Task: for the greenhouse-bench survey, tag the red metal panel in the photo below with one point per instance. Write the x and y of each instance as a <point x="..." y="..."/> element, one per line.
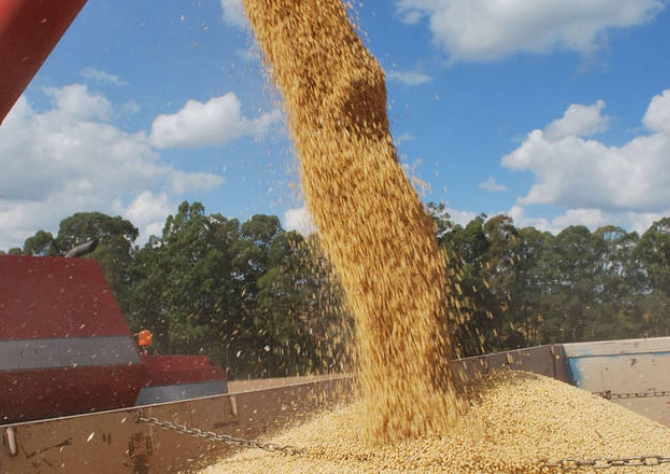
<point x="176" y="377"/>
<point x="29" y="30"/>
<point x="47" y="297"/>
<point x="70" y="348"/>
<point x="36" y="394"/>
<point x="173" y="362"/>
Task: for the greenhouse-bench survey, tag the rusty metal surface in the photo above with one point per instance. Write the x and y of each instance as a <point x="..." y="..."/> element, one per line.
<point x="545" y="360"/>
<point x="115" y="442"/>
<point x="235" y="386"/>
<point x="635" y="373"/>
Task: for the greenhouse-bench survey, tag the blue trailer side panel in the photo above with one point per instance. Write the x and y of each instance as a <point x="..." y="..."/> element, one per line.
<point x="634" y="373"/>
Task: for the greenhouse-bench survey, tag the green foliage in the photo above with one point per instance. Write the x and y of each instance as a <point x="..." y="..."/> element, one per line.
<point x="262" y="301"/>
<point x="42" y="244"/>
<point x="114" y="251"/>
<point x="522" y="287"/>
<point x="241" y="294"/>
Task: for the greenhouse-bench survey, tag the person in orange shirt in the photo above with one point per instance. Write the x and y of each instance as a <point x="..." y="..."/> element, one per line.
<point x="145" y="339"/>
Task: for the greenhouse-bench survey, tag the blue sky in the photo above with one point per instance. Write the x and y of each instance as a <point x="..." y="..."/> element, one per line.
<point x="554" y="112"/>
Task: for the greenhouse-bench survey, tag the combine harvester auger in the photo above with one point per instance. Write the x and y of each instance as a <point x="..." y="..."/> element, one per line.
<point x="78" y="395"/>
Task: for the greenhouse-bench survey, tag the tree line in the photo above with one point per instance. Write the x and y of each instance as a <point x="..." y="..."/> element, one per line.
<point x="262" y="301"/>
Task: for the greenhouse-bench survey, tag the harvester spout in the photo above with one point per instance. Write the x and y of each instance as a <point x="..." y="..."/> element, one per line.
<point x="29" y="30"/>
<point x="82" y="249"/>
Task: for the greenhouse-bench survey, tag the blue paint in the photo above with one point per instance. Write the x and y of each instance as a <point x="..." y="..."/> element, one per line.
<point x="576" y="374"/>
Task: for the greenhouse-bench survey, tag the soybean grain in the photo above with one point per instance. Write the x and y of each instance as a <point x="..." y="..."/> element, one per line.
<point x="371" y="222"/>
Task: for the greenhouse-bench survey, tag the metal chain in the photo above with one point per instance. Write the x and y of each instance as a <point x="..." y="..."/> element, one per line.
<point x="573" y="464"/>
<point x="222" y="438"/>
<point x="565" y="464"/>
<point x="607" y="394"/>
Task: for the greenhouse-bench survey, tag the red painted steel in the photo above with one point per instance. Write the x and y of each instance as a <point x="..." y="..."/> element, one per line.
<point x="37" y="394"/>
<point x="67" y="348"/>
<point x="29" y="30"/>
<point x="47" y="300"/>
<point x="47" y="297"/>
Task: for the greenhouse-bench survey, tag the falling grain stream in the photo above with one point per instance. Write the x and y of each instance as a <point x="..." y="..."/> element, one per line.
<point x="371" y="222"/>
<point x="381" y="243"/>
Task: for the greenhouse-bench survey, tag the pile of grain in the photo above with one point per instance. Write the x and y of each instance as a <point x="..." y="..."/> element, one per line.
<point x="371" y="222"/>
<point x="518" y="423"/>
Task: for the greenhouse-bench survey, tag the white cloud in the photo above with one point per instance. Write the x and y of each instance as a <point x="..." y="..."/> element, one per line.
<point x="518" y="215"/>
<point x="216" y="122"/>
<point x="491" y="185"/>
<point x="300" y="220"/>
<point x="130" y="108"/>
<point x="233" y="13"/>
<point x="642" y="221"/>
<point x="68" y="159"/>
<point x="76" y="102"/>
<point x="490" y="29"/>
<point x="579" y="120"/>
<point x="410" y="13"/>
<point x="182" y="182"/>
<point x="148" y="212"/>
<point x="595" y="182"/>
<point x="100" y="76"/>
<point x="657" y="117"/>
<point x="461" y="218"/>
<point x="410" y="78"/>
<point x="591" y="218"/>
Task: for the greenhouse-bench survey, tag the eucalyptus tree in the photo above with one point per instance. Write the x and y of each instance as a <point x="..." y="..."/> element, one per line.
<point x="184" y="283"/>
<point x="42" y="244"/>
<point x="653" y="252"/>
<point x="621" y="286"/>
<point x="572" y="274"/>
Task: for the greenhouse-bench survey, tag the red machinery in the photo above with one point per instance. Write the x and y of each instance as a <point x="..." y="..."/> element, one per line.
<point x="29" y="30"/>
<point x="66" y="349"/>
<point x="64" y="345"/>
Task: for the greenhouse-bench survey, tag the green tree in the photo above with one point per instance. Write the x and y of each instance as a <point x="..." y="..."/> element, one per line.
<point x="114" y="252"/>
<point x="472" y="305"/>
<point x="443" y="223"/>
<point x="279" y="315"/>
<point x="184" y="286"/>
<point x="529" y="288"/>
<point x="653" y="252"/>
<point x="501" y="274"/>
<point x="572" y="268"/>
<point x="621" y="286"/>
<point x="42" y="244"/>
